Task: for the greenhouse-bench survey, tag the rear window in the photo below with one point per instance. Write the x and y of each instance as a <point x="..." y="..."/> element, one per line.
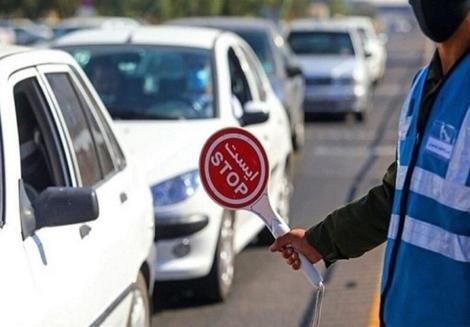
<point x="321" y="43"/>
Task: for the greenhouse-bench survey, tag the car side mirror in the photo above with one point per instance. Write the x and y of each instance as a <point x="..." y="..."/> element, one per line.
<point x="59" y="206"/>
<point x="293" y="70"/>
<point x="254" y="113"/>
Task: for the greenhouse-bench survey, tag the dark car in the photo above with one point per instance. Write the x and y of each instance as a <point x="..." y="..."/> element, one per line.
<point x="277" y="59"/>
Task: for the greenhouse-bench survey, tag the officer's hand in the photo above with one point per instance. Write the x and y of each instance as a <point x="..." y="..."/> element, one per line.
<point x="293" y="243"/>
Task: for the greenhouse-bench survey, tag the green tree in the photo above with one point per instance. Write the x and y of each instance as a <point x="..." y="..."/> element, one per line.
<point x="38" y="8"/>
<point x="337" y="7"/>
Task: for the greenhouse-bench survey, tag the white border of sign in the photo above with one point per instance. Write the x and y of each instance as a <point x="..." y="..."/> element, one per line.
<point x="257" y="192"/>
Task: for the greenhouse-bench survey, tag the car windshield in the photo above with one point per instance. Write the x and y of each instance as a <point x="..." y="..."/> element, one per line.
<point x="321" y="43"/>
<point x="259" y="41"/>
<point x="150" y="82"/>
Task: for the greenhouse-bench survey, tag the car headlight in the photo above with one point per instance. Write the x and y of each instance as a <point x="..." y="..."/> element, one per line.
<point x="177" y="189"/>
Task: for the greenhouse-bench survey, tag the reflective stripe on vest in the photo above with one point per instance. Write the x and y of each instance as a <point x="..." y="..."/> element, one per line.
<point x="428" y="184"/>
<point x="432" y="238"/>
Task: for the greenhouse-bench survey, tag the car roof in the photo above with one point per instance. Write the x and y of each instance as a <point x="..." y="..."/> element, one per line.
<point x="14" y="58"/>
<point x="306" y="24"/>
<point x="356" y="21"/>
<point x="162" y="35"/>
<point x="223" y="22"/>
<point x="95" y="21"/>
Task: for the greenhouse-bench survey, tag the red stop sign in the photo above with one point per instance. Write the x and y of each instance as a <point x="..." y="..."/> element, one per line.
<point x="234" y="168"/>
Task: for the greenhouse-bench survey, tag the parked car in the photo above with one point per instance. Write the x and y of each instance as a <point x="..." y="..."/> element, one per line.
<point x="334" y="63"/>
<point x="76" y="222"/>
<point x="276" y="57"/>
<point x="31" y="34"/>
<point x="27" y="32"/>
<point x="373" y="43"/>
<point x="168" y="89"/>
<point x="74" y="24"/>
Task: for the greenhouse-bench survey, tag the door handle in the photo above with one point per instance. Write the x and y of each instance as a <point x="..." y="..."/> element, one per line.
<point x="84" y="231"/>
<point x="123" y="197"/>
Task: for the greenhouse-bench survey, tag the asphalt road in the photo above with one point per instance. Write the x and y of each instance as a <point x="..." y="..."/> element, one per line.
<point x="340" y="161"/>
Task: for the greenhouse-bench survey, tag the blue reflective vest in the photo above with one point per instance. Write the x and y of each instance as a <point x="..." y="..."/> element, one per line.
<point x="426" y="278"/>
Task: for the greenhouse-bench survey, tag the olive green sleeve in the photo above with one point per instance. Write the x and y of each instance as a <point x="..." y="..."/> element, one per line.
<point x="357" y="227"/>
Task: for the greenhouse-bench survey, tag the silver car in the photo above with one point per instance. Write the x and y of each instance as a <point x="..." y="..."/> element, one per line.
<point x="335" y="68"/>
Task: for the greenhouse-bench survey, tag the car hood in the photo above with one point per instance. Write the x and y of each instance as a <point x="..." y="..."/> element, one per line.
<point x="165" y="149"/>
<point x="333" y="66"/>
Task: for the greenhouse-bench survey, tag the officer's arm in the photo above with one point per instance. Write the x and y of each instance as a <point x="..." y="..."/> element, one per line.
<point x="357" y="227"/>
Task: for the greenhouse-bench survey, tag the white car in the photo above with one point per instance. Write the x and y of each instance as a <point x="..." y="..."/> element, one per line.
<point x="78" y="23"/>
<point x="168" y="89"/>
<point x="76" y="221"/>
<point x="335" y="67"/>
<point x="373" y="43"/>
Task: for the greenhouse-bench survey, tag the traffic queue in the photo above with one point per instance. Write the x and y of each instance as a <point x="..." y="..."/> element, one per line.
<point x="102" y="199"/>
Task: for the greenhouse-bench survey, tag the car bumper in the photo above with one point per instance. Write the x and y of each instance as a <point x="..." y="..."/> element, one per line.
<point x="335" y="99"/>
<point x="185" y="239"/>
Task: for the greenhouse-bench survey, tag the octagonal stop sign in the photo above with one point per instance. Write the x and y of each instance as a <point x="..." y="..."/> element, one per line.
<point x="234" y="168"/>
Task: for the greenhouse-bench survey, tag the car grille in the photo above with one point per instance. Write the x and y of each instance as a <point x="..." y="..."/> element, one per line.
<point x="318" y="81"/>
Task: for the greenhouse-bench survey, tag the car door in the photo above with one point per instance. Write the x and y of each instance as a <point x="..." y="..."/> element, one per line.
<point x="18" y="290"/>
<point x="57" y="256"/>
<point x="132" y="242"/>
<point x="275" y="131"/>
<point x="99" y="164"/>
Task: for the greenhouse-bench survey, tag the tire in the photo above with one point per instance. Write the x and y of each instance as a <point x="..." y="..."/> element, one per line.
<point x="360" y="116"/>
<point x="216" y="286"/>
<point x="139" y="313"/>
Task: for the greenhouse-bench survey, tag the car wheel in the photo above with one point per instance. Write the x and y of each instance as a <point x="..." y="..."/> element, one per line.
<point x="359" y="116"/>
<point x="139" y="314"/>
<point x="217" y="285"/>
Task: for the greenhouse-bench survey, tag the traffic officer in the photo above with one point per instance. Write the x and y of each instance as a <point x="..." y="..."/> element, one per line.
<point x="423" y="204"/>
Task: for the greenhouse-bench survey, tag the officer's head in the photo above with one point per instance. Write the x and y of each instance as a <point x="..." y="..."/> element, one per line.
<point x="440" y="19"/>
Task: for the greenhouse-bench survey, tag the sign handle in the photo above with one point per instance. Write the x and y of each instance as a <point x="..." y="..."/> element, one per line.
<point x="278" y="227"/>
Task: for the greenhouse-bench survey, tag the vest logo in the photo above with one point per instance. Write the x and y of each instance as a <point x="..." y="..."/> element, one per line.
<point x="441" y="140"/>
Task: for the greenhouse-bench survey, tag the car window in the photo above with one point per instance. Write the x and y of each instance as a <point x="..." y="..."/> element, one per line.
<point x="256" y="73"/>
<point x="42" y="160"/>
<point x="259" y="42"/>
<point x="119" y="158"/>
<point x="104" y="152"/>
<point x="321" y="43"/>
<point x="238" y="81"/>
<point x="150" y="82"/>
<point x="78" y="127"/>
